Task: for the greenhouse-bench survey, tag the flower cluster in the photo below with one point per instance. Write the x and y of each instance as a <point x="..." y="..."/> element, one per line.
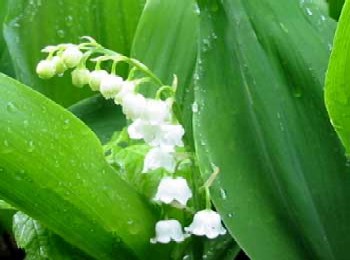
<point x="152" y="120"/>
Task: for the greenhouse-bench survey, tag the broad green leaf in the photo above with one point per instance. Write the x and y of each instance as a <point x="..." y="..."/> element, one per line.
<point x="52" y="168"/>
<point x="283" y="187"/>
<point x="32" y="25"/>
<point x="335" y="8"/>
<point x="337" y="94"/>
<point x="169" y="46"/>
<point x="5" y="60"/>
<point x="103" y="116"/>
<point x="39" y="243"/>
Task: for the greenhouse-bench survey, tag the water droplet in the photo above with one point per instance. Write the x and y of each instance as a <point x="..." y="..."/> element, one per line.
<point x="31" y="146"/>
<point x="308" y="11"/>
<point x="69" y="20"/>
<point x="223" y="194"/>
<point x="194" y="107"/>
<point x="66" y="123"/>
<point x="11" y="107"/>
<point x="230" y="215"/>
<point x="61" y="33"/>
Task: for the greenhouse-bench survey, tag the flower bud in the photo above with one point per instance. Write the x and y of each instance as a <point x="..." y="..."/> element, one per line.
<point x="72" y="56"/>
<point x="80" y="77"/>
<point x="128" y="87"/>
<point x="46" y="69"/>
<point x="60" y="66"/>
<point x="110" y="86"/>
<point x="134" y="105"/>
<point x="96" y="77"/>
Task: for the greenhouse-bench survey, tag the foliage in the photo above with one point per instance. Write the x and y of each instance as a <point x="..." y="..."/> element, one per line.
<point x="249" y="94"/>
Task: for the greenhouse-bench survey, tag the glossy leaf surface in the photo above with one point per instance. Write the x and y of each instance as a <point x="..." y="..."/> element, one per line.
<point x="32" y="25"/>
<point x="283" y="183"/>
<point x="61" y="178"/>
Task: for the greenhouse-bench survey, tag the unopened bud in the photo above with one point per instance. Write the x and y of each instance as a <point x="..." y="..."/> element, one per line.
<point x="80" y="77"/>
<point x="96" y="77"/>
<point x="46" y="69"/>
<point x="72" y="56"/>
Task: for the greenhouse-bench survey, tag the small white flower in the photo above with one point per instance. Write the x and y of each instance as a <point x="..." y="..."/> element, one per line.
<point x="140" y="129"/>
<point x="72" y="56"/>
<point x="206" y="223"/>
<point x="157" y="111"/>
<point x="157" y="135"/>
<point x="46" y="69"/>
<point x="80" y="77"/>
<point x="128" y="87"/>
<point x="110" y="86"/>
<point x="168" y="230"/>
<point x="173" y="190"/>
<point x="159" y="157"/>
<point x="169" y="135"/>
<point x="96" y="77"/>
<point x="134" y="105"/>
<point x="60" y="66"/>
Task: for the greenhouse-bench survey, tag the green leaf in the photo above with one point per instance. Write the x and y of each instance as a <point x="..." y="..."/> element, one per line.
<point x="40" y="243"/>
<point x="5" y="205"/>
<point x="335" y="8"/>
<point x="337" y="94"/>
<point x="32" y="25"/>
<point x="283" y="187"/>
<point x="173" y="49"/>
<point x="52" y="168"/>
<point x="103" y="116"/>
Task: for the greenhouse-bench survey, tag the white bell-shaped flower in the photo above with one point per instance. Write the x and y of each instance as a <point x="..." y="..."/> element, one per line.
<point x="173" y="190"/>
<point x="157" y="111"/>
<point x="134" y="105"/>
<point x="206" y="223"/>
<point x="168" y="135"/>
<point x="110" y="86"/>
<point x="46" y="69"/>
<point x="140" y="129"/>
<point x="127" y="88"/>
<point x="157" y="135"/>
<point x="168" y="230"/>
<point x="72" y="56"/>
<point x="159" y="157"/>
<point x="96" y="77"/>
<point x="80" y="77"/>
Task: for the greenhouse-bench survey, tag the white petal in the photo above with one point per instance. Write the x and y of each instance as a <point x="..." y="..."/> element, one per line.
<point x="157" y="111"/>
<point x="96" y="77"/>
<point x="159" y="158"/>
<point x="170" y="190"/>
<point x="134" y="105"/>
<point x="206" y="222"/>
<point x="110" y="86"/>
<point x="168" y="230"/>
<point x="128" y="87"/>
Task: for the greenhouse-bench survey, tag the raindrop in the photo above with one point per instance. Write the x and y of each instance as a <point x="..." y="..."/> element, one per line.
<point x="66" y="123"/>
<point x="194" y="107"/>
<point x="223" y="194"/>
<point x="230" y="215"/>
<point x="25" y="123"/>
<point x="69" y="20"/>
<point x="11" y="107"/>
<point x="309" y="12"/>
<point x="197" y="11"/>
<point x="60" y="33"/>
<point x="31" y="146"/>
